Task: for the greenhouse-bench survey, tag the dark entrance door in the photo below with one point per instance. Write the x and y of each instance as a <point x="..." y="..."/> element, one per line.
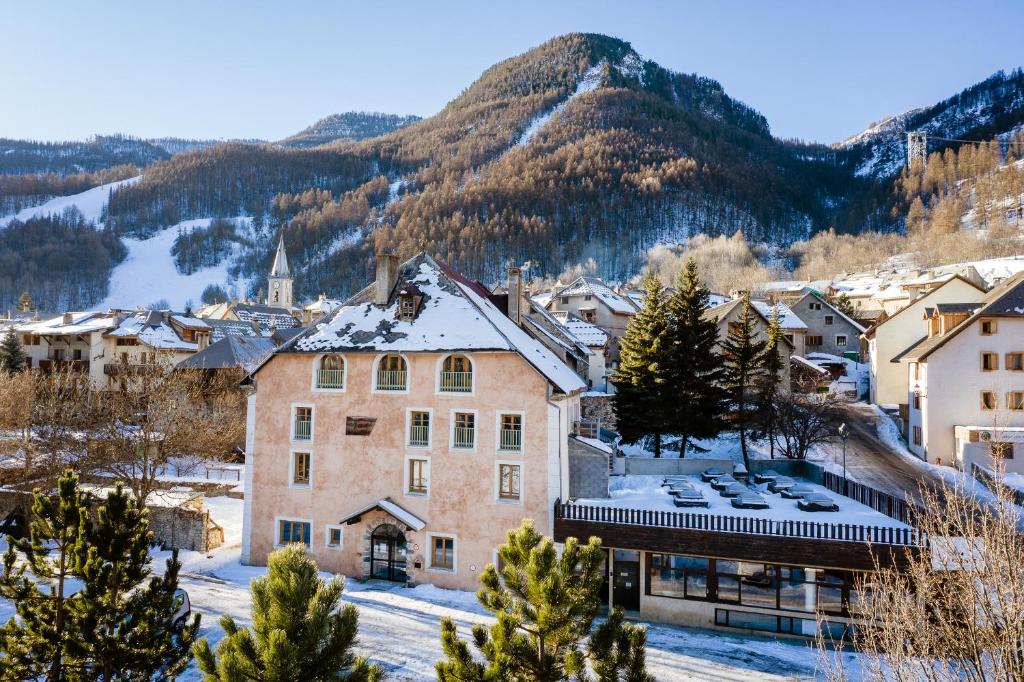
<point x="626" y="580"/>
<point x="387" y="554"/>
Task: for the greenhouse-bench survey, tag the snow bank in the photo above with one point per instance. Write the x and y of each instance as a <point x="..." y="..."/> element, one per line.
<point x="90" y="203"/>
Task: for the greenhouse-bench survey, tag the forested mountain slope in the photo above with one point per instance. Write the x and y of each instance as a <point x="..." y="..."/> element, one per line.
<point x="352" y="125"/>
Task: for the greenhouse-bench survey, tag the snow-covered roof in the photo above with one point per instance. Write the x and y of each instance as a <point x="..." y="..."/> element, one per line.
<point x="788" y="320"/>
<point x="220" y="329"/>
<point x="455" y="314"/>
<point x="810" y="365"/>
<point x="80" y="323"/>
<point x="387" y="505"/>
<point x="323" y="305"/>
<point x="589" y="334"/>
<point x="266" y="316"/>
<point x="149" y="327"/>
<point x="593" y="286"/>
<point x="190" y="321"/>
<point x="246" y="352"/>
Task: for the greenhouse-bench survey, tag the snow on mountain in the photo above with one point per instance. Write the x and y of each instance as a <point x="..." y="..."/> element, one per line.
<point x="90" y="203"/>
<point x="588" y="82"/>
<point x="148" y="274"/>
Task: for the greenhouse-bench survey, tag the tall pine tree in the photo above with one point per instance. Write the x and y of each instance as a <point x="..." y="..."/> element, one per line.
<point x="771" y="381"/>
<point x="642" y="402"/>
<point x="545" y="604"/>
<point x="298" y="633"/>
<point x="743" y="355"/>
<point x="12" y="355"/>
<point x="694" y="365"/>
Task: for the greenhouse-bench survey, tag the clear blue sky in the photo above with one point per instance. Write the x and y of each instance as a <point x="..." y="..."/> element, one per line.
<point x="818" y="70"/>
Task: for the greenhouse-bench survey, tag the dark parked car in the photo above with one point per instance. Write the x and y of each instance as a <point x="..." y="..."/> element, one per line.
<point x="722" y="482"/>
<point x="766" y="476"/>
<point x="749" y="500"/>
<point x="797" y="491"/>
<point x="781" y="483"/>
<point x="183" y="608"/>
<point x="816" y="502"/>
<point x="688" y="498"/>
<point x="733" y="489"/>
<point x="712" y="473"/>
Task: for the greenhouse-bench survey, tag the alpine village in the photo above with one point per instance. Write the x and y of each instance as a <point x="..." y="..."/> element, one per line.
<point x="588" y="376"/>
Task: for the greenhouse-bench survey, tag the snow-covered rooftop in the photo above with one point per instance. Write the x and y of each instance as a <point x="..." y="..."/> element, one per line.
<point x="150" y="328"/>
<point x="788" y="320"/>
<point x="593" y="286"/>
<point x="588" y="333"/>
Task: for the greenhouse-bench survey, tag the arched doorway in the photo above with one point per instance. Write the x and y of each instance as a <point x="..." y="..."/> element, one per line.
<point x="387" y="553"/>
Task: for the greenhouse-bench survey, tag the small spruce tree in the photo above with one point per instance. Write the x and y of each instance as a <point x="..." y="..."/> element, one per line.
<point x="694" y="365"/>
<point x="743" y="354"/>
<point x="298" y="633"/>
<point x="642" y="402"/>
<point x="12" y="355"/>
<point x="545" y="606"/>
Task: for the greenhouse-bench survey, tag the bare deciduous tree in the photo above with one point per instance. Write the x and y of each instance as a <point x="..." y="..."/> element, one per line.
<point x="803" y="421"/>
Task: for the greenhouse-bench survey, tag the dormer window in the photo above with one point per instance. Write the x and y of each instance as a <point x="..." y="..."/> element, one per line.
<point x="409" y="297"/>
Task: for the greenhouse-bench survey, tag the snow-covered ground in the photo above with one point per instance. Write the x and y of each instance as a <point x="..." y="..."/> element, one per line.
<point x="148" y="274"/>
<point x="89" y="202"/>
<point x="587" y="83"/>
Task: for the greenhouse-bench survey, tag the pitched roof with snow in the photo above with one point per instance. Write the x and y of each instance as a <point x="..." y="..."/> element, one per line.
<point x="788" y="320"/>
<point x="588" y="333"/>
<point x="594" y="286"/>
<point x="266" y="315"/>
<point x="149" y="327"/>
<point x="220" y="329"/>
<point x="246" y="352"/>
<point x="455" y="314"/>
<point x="80" y="323"/>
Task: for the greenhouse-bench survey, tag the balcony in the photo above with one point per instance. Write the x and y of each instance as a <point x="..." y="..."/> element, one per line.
<point x="464" y="437"/>
<point x="456" y="382"/>
<point x="49" y="365"/>
<point x="330" y="378"/>
<point x="511" y="440"/>
<point x="419" y="436"/>
<point x="303" y="429"/>
<point x="391" y="379"/>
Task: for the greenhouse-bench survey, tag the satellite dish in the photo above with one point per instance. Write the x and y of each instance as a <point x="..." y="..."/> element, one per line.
<point x="985" y="436"/>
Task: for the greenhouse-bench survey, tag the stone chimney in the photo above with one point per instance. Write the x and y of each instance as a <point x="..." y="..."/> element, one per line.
<point x="387" y="277"/>
<point x="68" y="319"/>
<point x="515" y="294"/>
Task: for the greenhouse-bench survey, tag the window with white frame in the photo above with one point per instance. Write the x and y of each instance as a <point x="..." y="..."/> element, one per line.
<point x="510" y="432"/>
<point x="417" y="475"/>
<point x="464" y="431"/>
<point x="419" y="428"/>
<point x="442" y="552"/>
<point x="333" y="537"/>
<point x="301" y="469"/>
<point x="290" y="530"/>
<point x="456" y="375"/>
<point x="331" y="372"/>
<point x="392" y="373"/>
<point x="509" y="480"/>
<point x="302" y="423"/>
<point x="841" y="340"/>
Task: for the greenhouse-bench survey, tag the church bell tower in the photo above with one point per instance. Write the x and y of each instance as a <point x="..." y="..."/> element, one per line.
<point x="279" y="290"/>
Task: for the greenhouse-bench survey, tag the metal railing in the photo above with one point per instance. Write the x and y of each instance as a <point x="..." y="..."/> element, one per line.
<point x="330" y="378"/>
<point x="456" y="382"/>
<point x="419" y="436"/>
<point x="464" y="437"/>
<point x="303" y="429"/>
<point x="511" y="440"/>
<point x="391" y="379"/>
<point x="884" y="503"/>
<point x="845" y="532"/>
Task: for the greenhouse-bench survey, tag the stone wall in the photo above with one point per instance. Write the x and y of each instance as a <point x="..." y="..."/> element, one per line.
<point x="598" y="407"/>
<point x="588" y="470"/>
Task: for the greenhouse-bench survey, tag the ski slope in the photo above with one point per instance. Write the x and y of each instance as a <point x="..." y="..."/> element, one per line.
<point x="148" y="274"/>
<point x="90" y="203"/>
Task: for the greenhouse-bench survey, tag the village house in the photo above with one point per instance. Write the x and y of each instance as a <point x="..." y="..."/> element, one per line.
<point x="966" y="381"/>
<point x="889" y="338"/>
<point x="729" y="314"/>
<point x="590" y="299"/>
<point x="405" y="435"/>
<point x="829" y="330"/>
<point x="792" y="326"/>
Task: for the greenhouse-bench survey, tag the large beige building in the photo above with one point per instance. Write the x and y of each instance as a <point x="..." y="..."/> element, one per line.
<point x="403" y="437"/>
<point x="887" y="340"/>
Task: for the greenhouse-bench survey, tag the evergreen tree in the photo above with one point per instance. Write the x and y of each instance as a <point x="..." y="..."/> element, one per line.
<point x="841" y="303"/>
<point x="132" y="633"/>
<point x="298" y="633"/>
<point x="642" y="402"/>
<point x="12" y="355"/>
<point x="545" y="604"/>
<point x="42" y="641"/>
<point x="768" y="386"/>
<point x="743" y="354"/>
<point x="694" y="365"/>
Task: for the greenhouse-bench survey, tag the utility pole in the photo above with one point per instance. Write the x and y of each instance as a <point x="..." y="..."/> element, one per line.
<point x="844" y="433"/>
<point x="917" y="148"/>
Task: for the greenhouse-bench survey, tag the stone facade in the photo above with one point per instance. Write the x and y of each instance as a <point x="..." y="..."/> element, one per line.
<point x="598" y="407"/>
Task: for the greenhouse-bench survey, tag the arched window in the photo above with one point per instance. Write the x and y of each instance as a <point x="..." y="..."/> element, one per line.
<point x="392" y="373"/>
<point x="331" y="372"/>
<point x="456" y="375"/>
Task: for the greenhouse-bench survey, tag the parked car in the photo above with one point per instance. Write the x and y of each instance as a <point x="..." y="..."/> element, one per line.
<point x="816" y="502"/>
<point x="711" y="474"/>
<point x="798" y="491"/>
<point x="722" y="482"/>
<point x="781" y="483"/>
<point x="183" y="608"/>
<point x="749" y="500"/>
<point x="733" y="489"/>
<point x="766" y="476"/>
<point x="689" y="498"/>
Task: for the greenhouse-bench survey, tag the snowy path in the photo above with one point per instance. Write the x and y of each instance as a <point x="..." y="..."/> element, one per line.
<point x="89" y="202"/>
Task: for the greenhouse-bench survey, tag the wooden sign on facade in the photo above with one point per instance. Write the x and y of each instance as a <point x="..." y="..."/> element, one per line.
<point x="359" y="426"/>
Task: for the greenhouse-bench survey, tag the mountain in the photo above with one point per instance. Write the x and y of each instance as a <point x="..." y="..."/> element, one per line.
<point x="352" y="125"/>
<point x="992" y="107"/>
<point x="22" y="157"/>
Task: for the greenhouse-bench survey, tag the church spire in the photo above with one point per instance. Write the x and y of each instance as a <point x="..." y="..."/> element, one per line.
<point x="280" y="268"/>
<point x="279" y="291"/>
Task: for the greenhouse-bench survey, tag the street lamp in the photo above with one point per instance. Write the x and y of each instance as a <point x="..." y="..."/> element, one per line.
<point x="844" y="433"/>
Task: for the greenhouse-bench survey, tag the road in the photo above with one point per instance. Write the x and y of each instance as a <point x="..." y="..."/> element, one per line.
<point x="872" y="462"/>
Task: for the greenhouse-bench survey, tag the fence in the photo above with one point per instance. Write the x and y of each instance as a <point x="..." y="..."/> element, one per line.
<point x="884" y="503"/>
<point x="740" y="524"/>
